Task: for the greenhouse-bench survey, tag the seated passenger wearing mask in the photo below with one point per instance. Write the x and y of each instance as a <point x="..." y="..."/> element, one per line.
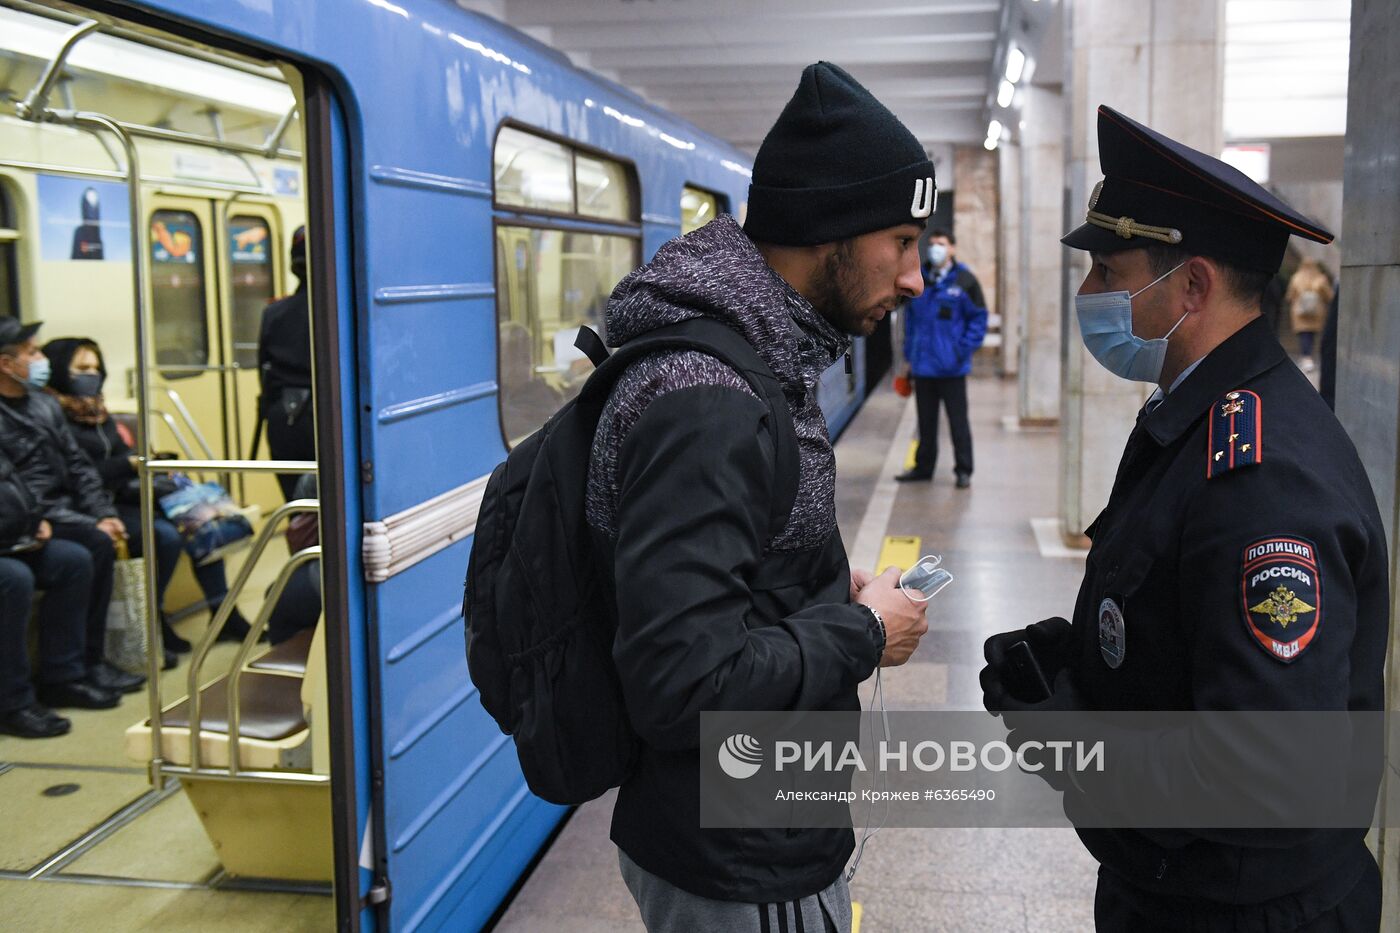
<point x="61" y="479"/>
<point x="31" y="559"/>
<point x="78" y="373"/>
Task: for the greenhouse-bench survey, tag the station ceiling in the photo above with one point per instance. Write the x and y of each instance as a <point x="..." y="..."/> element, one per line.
<point x="729" y="66"/>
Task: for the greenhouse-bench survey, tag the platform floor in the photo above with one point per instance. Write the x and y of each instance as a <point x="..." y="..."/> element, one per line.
<point x="924" y="880"/>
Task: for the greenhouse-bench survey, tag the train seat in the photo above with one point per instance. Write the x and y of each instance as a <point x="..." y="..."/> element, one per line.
<point x="288" y="658"/>
<point x="274" y="734"/>
<point x="261" y="829"/>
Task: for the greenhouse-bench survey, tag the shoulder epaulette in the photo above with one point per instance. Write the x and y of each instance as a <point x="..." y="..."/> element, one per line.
<point x="1236" y="435"/>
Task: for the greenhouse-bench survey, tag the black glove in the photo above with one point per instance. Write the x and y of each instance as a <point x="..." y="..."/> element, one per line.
<point x="1020" y="717"/>
<point x="1049" y="639"/>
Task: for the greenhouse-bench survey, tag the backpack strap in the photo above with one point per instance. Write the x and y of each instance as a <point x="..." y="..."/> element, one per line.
<point x="711" y="337"/>
<point x="591" y="345"/>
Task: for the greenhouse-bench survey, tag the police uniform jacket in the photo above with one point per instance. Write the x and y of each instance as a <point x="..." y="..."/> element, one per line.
<point x="1240" y="565"/>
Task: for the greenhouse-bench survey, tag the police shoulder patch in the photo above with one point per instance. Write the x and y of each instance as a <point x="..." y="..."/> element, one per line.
<point x="1236" y="434"/>
<point x="1281" y="593"/>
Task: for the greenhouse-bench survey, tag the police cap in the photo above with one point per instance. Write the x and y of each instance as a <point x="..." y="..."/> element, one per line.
<point x="1155" y="190"/>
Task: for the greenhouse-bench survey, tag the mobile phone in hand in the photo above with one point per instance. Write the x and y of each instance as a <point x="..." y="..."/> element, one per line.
<point x="1024" y="678"/>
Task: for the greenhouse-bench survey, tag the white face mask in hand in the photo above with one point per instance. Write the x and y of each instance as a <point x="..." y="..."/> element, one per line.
<point x="1106" y="326"/>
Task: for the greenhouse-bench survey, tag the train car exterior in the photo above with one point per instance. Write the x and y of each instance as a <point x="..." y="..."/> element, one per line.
<point x="429" y="244"/>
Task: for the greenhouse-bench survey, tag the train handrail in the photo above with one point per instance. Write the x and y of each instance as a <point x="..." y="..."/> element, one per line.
<point x="175" y="431"/>
<point x="221" y="615"/>
<point x="188" y="418"/>
<point x="35" y="107"/>
<point x="235" y="677"/>
<point x="233" y="466"/>
<point x="37" y="100"/>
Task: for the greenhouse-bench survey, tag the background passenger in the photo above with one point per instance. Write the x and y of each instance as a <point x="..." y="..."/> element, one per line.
<point x="60" y="477"/>
<point x="78" y="374"/>
<point x="284" y="372"/>
<point x="1308" y="298"/>
<point x="299" y="606"/>
<point x="30" y="558"/>
<point x="943" y="327"/>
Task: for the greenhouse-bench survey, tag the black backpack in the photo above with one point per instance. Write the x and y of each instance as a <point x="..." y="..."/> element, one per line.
<point x="539" y="606"/>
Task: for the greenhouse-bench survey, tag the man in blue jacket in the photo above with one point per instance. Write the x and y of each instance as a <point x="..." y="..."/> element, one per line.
<point x="943" y="327"/>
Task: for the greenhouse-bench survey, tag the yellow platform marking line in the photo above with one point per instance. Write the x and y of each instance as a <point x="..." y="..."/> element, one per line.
<point x="909" y="458"/>
<point x="855" y="916"/>
<point x="898" y="551"/>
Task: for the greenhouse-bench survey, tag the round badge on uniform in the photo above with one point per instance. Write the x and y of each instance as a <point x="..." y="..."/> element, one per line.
<point x="1113" y="634"/>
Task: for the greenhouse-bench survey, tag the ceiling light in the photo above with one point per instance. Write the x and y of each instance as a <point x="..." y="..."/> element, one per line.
<point x="1015" y="64"/>
<point x="989" y="144"/>
<point x="1005" y="93"/>
<point x="994" y="130"/>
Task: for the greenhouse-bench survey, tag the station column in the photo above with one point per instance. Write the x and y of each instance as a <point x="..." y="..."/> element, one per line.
<point x="1368" y="338"/>
<point x="1042" y="323"/>
<point x="1160" y="62"/>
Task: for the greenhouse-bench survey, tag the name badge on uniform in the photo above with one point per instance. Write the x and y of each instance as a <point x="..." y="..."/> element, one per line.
<point x="1113" y="634"/>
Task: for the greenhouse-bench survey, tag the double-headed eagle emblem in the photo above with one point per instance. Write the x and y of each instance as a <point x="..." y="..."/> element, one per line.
<point x="1282" y="606"/>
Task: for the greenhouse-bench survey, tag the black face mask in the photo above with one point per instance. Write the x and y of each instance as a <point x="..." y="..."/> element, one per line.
<point x="87" y="384"/>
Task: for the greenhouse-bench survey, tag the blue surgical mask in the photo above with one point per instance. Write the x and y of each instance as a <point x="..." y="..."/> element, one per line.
<point x="937" y="254"/>
<point x="1106" y="326"/>
<point x="38" y="373"/>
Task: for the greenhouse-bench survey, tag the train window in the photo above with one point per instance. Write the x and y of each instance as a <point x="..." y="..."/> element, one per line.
<point x="533" y="172"/>
<point x="550" y="282"/>
<point x="9" y="284"/>
<point x="697" y="208"/>
<point x="177" y="292"/>
<point x="604" y="188"/>
<point x="250" y="266"/>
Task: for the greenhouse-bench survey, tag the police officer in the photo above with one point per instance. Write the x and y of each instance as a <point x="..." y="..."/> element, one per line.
<point x="1238" y="503"/>
<point x="284" y="368"/>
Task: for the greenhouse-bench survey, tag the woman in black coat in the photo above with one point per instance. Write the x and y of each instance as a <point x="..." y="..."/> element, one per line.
<point x="78" y="373"/>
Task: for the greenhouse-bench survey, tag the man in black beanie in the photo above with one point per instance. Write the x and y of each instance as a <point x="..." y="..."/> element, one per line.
<point x="689" y="500"/>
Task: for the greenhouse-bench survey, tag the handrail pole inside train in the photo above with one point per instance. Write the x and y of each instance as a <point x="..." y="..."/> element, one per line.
<point x="36" y="101"/>
<point x="188" y="418"/>
<point x="139" y="274"/>
<point x="235" y="676"/>
<point x="174" y="428"/>
<point x="274" y="141"/>
<point x="238" y="466"/>
<point x="225" y="609"/>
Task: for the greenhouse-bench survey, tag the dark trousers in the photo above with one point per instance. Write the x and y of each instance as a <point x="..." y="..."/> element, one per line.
<point x="295" y="441"/>
<point x="1359" y="911"/>
<point x="63" y="571"/>
<point x="169" y="546"/>
<point x="952" y="394"/>
<point x="300" y="605"/>
<point x="104" y="557"/>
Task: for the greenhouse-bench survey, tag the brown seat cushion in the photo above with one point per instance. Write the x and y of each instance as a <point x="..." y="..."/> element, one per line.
<point x="289" y="657"/>
<point x="270" y="705"/>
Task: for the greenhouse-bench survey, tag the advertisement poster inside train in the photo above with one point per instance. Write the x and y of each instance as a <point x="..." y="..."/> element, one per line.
<point x="174" y="238"/>
<point x="248" y="240"/>
<point x="83" y="219"/>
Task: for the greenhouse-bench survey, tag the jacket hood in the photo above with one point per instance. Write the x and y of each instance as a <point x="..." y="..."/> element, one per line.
<point x="717" y="272"/>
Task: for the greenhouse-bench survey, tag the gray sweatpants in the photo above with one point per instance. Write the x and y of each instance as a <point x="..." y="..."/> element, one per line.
<point x="668" y="909"/>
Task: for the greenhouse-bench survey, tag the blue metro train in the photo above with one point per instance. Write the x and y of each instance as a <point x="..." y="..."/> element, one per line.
<point x="471" y="199"/>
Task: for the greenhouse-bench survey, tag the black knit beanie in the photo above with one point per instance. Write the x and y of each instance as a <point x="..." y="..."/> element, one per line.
<point x="836" y="164"/>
